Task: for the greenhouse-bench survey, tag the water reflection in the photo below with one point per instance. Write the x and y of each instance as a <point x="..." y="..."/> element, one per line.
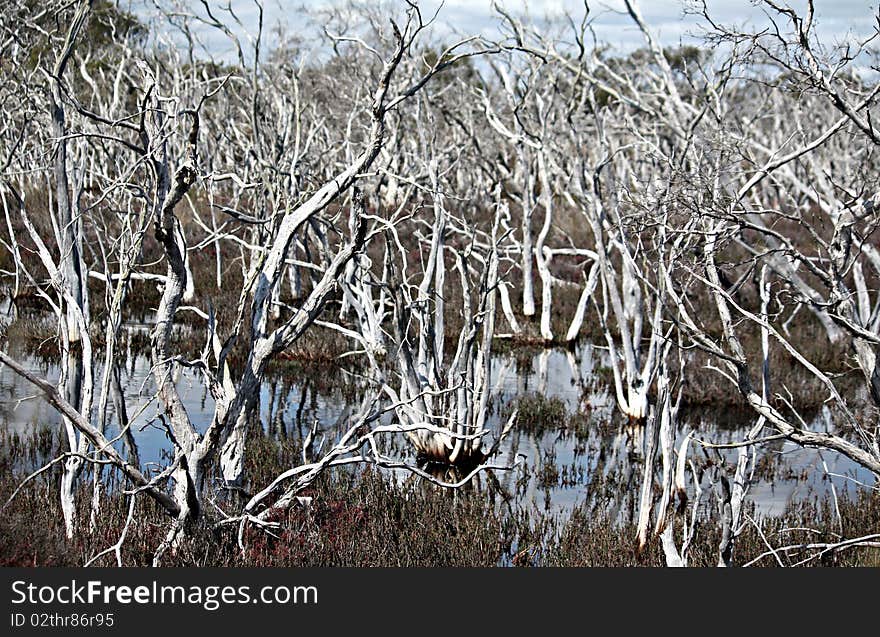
<point x="560" y="467"/>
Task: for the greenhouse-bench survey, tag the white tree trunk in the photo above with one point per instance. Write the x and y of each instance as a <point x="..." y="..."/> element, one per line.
<point x="578" y="320"/>
<point x="543" y="255"/>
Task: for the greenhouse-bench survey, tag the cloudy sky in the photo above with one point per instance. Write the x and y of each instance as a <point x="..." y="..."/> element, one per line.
<point x="836" y="20"/>
<point x="668" y="18"/>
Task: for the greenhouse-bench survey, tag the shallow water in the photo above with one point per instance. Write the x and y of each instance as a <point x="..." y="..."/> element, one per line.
<point x="556" y="467"/>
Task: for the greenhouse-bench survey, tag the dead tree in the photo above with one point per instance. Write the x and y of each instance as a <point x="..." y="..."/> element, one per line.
<point x="154" y="161"/>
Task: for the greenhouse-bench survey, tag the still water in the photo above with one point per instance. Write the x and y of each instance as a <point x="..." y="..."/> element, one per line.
<point x="556" y="466"/>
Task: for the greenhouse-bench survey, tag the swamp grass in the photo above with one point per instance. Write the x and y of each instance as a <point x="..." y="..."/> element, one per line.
<point x="366" y="518"/>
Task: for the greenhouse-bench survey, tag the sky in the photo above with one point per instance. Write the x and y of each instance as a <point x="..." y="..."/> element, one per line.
<point x="667" y="18"/>
<point x="836" y="20"/>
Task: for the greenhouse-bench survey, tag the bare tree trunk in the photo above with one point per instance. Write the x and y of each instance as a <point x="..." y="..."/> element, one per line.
<point x="527" y="244"/>
<point x="542" y="256"/>
<point x="69" y="266"/>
